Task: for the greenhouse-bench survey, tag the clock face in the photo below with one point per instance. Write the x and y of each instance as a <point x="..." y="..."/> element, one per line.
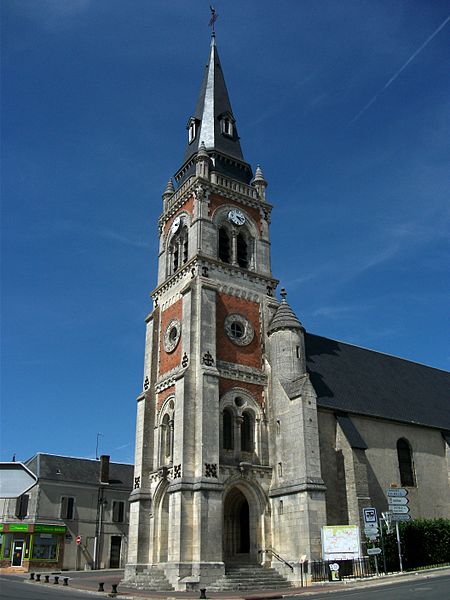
<point x="236" y="216"/>
<point x="176" y="224"/>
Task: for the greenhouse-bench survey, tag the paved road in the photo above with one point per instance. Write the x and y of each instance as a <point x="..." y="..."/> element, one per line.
<point x="431" y="587"/>
<point x="435" y="587"/>
<point x="18" y="589"/>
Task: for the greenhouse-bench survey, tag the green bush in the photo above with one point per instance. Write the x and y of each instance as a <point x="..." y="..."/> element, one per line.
<point x="424" y="542"/>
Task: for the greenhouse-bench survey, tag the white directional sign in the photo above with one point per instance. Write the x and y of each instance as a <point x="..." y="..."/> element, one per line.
<point x="399" y="510"/>
<point x="398" y="504"/>
<point x="399" y="517"/>
<point x="15" y="479"/>
<point x="397" y="500"/>
<point x="373" y="551"/>
<point x="396" y="492"/>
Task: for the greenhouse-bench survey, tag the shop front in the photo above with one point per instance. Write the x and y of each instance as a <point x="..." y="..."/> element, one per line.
<point x="31" y="546"/>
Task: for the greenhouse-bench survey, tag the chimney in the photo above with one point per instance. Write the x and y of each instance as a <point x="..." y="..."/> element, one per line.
<point x="104" y="468"/>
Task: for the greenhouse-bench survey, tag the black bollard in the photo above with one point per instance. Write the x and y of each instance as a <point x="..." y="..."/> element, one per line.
<point x="47" y="578"/>
<point x="100" y="587"/>
<point x="114" y="588"/>
<point x="202" y="593"/>
<point x="38" y="576"/>
<point x="65" y="581"/>
<point x="56" y="580"/>
<point x="31" y="575"/>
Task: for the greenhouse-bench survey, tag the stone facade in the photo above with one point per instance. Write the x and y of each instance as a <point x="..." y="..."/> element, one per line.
<point x="357" y="477"/>
<point x="235" y="456"/>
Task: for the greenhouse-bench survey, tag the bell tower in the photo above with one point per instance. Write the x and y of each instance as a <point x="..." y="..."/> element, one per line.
<point x="207" y="445"/>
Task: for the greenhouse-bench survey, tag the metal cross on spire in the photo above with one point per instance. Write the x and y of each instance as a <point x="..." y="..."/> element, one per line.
<point x="213" y="19"/>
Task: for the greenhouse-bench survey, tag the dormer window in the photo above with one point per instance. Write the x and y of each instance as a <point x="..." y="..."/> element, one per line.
<point x="227" y="125"/>
<point x="192" y="128"/>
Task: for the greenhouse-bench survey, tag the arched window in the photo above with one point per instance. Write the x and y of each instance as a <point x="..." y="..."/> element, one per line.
<point x="227" y="430"/>
<point x="166" y="439"/>
<point x="247" y="444"/>
<point x="224" y="245"/>
<point x="405" y="463"/>
<point x="179" y="249"/>
<point x="242" y="250"/>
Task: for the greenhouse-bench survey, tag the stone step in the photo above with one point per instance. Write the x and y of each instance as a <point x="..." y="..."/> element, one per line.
<point x="152" y="580"/>
<point x="250" y="577"/>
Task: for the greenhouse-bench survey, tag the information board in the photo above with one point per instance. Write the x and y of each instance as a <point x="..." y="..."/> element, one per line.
<point x="340" y="542"/>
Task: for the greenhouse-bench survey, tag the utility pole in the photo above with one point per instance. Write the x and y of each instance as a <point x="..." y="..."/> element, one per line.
<point x="399" y="545"/>
<point x="96" y="445"/>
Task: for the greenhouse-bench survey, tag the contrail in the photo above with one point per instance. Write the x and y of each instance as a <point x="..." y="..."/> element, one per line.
<point x="402" y="68"/>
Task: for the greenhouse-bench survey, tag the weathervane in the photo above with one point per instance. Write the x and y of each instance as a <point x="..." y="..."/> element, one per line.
<point x="214" y="17"/>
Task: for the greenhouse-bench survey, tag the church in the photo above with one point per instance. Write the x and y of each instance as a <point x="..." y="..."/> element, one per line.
<point x="252" y="433"/>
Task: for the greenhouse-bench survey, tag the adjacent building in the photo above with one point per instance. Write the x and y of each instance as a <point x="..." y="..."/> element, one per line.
<point x="75" y="517"/>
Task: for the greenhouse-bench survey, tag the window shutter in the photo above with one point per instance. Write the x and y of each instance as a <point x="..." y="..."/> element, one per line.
<point x="22" y="506"/>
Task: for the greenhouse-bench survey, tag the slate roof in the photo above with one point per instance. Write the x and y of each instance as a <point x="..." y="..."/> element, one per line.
<point x="284" y="318"/>
<point x="355" y="380"/>
<point x="79" y="470"/>
<point x="213" y="101"/>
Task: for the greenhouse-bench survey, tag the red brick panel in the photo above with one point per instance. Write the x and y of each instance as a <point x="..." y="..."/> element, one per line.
<point x="250" y="355"/>
<point x="188" y="207"/>
<point x="160" y="398"/>
<point x="172" y="360"/>
<point x="216" y="202"/>
<point x="253" y="389"/>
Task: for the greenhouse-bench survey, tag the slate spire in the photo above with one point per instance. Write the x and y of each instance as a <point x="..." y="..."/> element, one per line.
<point x="284" y="317"/>
<point x="213" y="124"/>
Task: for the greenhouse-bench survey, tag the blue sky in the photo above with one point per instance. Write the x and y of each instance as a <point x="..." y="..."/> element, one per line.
<point x="345" y="106"/>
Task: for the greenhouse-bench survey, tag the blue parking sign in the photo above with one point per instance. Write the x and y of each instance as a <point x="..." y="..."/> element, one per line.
<point x="370" y="515"/>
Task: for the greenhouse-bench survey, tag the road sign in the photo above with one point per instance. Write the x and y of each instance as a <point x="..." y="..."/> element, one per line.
<point x="398" y="517"/>
<point x="399" y="510"/>
<point x="370" y="515"/>
<point x="373" y="551"/>
<point x="334" y="567"/>
<point x="396" y="492"/>
<point x="15" y="479"/>
<point x="78" y="540"/>
<point x="397" y="500"/>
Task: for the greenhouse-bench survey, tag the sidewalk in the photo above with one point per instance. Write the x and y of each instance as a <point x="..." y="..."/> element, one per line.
<point x="89" y="581"/>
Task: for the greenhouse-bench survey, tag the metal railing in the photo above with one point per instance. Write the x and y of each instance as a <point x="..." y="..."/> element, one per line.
<point x="319" y="570"/>
<point x="278" y="557"/>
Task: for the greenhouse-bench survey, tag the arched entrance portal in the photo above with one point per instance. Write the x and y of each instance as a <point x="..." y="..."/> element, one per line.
<point x="237" y="531"/>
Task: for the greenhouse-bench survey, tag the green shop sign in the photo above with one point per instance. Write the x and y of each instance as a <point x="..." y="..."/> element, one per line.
<point x="18" y="527"/>
<point x="29" y="527"/>
<point x="49" y="529"/>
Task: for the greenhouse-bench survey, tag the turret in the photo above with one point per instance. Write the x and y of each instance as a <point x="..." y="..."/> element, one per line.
<point x="168" y="192"/>
<point x="287" y="343"/>
<point x="202" y="162"/>
<point x="260" y="183"/>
